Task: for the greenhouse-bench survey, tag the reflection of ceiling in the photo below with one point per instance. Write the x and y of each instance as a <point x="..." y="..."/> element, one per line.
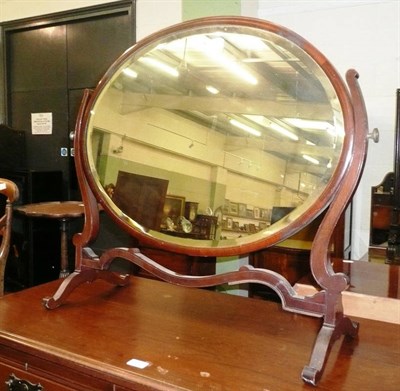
<point x="269" y="91"/>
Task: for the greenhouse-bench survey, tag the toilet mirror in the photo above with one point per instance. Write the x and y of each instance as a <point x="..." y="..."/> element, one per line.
<point x="220" y="135"/>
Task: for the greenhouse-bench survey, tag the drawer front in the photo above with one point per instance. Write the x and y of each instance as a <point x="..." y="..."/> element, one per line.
<point x="52" y="375"/>
<point x="9" y="376"/>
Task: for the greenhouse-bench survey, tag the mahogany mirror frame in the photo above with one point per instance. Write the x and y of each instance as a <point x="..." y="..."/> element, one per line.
<point x="327" y="303"/>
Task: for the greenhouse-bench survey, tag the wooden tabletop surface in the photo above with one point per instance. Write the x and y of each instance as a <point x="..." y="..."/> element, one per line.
<point x="193" y="339"/>
<point x="52" y="209"/>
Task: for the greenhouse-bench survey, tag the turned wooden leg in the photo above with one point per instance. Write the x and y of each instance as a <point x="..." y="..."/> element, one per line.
<point x="64" y="271"/>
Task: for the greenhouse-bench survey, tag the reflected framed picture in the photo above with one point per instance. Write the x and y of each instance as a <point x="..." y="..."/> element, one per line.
<point x="174" y="206"/>
<point x="233" y="208"/>
<point x="225" y="209"/>
<point x="191" y="210"/>
<point x="242" y="210"/>
<point x="265" y="214"/>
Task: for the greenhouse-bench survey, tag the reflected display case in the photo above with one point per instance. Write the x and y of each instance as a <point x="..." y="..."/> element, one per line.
<point x="217" y="109"/>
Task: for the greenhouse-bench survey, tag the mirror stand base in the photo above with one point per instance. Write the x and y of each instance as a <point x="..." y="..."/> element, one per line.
<point x="335" y="323"/>
<point x="79" y="277"/>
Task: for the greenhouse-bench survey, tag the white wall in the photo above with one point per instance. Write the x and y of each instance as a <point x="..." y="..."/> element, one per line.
<point x="152" y="15"/>
<point x="364" y="35"/>
<point x="360" y="34"/>
<point x="18" y="9"/>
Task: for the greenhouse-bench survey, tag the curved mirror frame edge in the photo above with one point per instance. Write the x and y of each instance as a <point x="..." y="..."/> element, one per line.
<point x="297" y="220"/>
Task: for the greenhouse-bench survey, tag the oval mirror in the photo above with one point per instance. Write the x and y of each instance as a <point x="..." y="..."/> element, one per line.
<point x="219" y="136"/>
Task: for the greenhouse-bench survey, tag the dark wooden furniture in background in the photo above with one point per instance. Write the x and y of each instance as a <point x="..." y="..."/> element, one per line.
<point x="385" y="206"/>
<point x="75" y="48"/>
<point x="170" y="328"/>
<point x="36" y="242"/>
<point x="179" y="263"/>
<point x="63" y="211"/>
<point x="393" y="249"/>
<point x="381" y="212"/>
<point x="12" y="148"/>
<point x="205" y="227"/>
<point x="9" y="192"/>
<point x="291" y="258"/>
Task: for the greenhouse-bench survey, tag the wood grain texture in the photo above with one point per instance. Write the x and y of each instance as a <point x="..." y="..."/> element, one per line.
<point x="193" y="339"/>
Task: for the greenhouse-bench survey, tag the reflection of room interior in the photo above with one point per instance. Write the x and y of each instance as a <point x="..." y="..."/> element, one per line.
<point x="237" y="159"/>
<point x="268" y="177"/>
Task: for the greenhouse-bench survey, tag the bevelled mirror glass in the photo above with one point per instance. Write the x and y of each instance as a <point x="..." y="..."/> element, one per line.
<point x="216" y="137"/>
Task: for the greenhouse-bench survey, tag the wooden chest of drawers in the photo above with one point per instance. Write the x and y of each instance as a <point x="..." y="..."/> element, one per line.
<point x="191" y="339"/>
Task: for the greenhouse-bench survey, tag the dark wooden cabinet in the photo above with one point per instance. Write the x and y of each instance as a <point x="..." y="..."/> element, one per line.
<point x="385" y="206"/>
<point x="291" y="260"/>
<point x="180" y="263"/>
<point x="393" y="249"/>
<point x="382" y="201"/>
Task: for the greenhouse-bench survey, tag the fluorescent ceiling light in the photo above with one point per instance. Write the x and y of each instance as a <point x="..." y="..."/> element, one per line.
<point x="310" y="124"/>
<point x="214" y="49"/>
<point x="212" y="90"/>
<point x="130" y="72"/>
<point x="160" y="65"/>
<point x="283" y="131"/>
<point x="245" y="127"/>
<point x="237" y="70"/>
<point x="265" y="122"/>
<point x="249" y="42"/>
<point x="311" y="159"/>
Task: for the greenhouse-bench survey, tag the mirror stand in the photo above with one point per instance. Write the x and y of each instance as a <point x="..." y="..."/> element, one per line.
<point x="326" y="304"/>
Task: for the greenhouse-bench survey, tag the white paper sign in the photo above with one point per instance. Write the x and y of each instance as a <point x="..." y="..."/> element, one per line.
<point x="42" y="123"/>
<point x="134" y="362"/>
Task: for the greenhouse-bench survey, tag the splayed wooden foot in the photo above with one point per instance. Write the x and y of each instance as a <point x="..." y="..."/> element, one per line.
<point x="326" y="337"/>
<point x="77" y="278"/>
